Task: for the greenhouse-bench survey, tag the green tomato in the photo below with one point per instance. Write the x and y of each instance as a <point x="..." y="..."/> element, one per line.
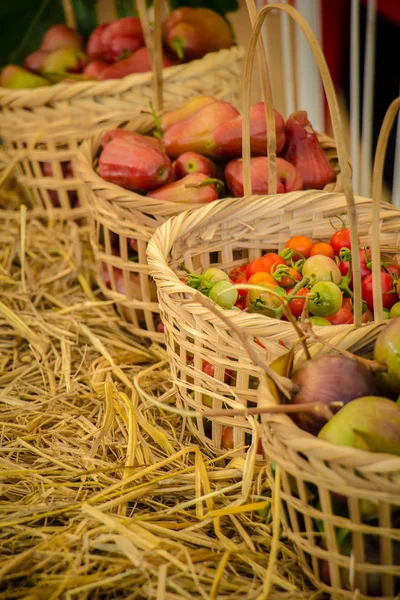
<point x="321" y="268"/>
<point x="212" y="275"/>
<point x="266" y="303"/>
<point x="386" y="314"/>
<point x="223" y="294"/>
<point x="325" y="299"/>
<point x="320" y="321"/>
<point x="395" y="310"/>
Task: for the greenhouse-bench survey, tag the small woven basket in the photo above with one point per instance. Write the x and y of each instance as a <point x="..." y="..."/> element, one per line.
<point x="231" y="233"/>
<point x="46" y="125"/>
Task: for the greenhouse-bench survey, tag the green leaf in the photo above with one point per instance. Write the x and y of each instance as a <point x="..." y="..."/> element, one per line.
<point x="86" y="16"/>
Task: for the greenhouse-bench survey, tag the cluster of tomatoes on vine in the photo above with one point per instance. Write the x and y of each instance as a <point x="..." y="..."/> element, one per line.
<point x="315" y="277"/>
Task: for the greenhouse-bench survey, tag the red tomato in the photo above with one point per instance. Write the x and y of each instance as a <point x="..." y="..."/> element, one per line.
<point x="322" y="248"/>
<point x="347" y="303"/>
<point x="393" y="270"/>
<point x="238" y="275"/>
<point x="301" y="244"/>
<point x="255" y="266"/>
<point x="297" y="304"/>
<point x="209" y="369"/>
<point x="343" y="316"/>
<point x="241" y="302"/>
<point x="260" y="343"/>
<point x="270" y="259"/>
<point x="364" y="270"/>
<point x="341" y="239"/>
<point x="160" y="327"/>
<point x="388" y="298"/>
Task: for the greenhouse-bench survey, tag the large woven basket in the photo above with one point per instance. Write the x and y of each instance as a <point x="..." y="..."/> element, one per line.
<point x="46" y="125"/>
<point x="311" y="470"/>
<point x="309" y="475"/>
<point x="230" y="233"/>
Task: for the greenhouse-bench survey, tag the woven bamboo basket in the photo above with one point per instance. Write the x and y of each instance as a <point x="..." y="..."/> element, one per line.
<point x="119" y="214"/>
<point x="233" y="232"/>
<point x="310" y="469"/>
<point x="46" y="125"/>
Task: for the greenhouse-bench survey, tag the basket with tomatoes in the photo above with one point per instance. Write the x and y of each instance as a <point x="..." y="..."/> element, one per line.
<point x="257" y="256"/>
<point x="314" y="279"/>
<point x="244" y="255"/>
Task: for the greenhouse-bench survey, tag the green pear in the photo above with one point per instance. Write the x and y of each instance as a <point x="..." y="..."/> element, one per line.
<point x="14" y="77"/>
<point x="62" y="61"/>
<point x="370" y="423"/>
<point x="387" y="352"/>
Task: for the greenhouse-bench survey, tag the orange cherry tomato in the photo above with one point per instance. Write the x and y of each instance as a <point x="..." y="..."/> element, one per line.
<point x="398" y="287"/>
<point x="322" y="248"/>
<point x="261" y="276"/>
<point x="255" y="266"/>
<point x="367" y="316"/>
<point x="301" y="244"/>
<point x="272" y="260"/>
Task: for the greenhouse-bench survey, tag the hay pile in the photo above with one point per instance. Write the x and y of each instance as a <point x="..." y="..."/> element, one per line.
<point x="103" y="493"/>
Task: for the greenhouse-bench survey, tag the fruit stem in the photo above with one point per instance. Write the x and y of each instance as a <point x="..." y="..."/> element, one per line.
<point x="177" y="45"/>
<point x="281" y="271"/>
<point x="286" y="386"/>
<point x="288" y="253"/>
<point x="297" y="287"/>
<point x="278" y="311"/>
<point x="317" y="408"/>
<point x="372" y="365"/>
<point x="220" y="186"/>
<point x="340" y="219"/>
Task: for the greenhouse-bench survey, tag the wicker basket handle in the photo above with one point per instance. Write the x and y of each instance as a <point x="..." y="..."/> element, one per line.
<point x="153" y="41"/>
<point x="377" y="185"/>
<point x="271" y="137"/>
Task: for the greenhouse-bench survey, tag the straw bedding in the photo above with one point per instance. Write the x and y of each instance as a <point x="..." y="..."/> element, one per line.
<point x="104" y="494"/>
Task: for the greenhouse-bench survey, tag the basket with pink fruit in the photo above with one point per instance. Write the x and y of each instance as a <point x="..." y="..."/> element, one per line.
<point x="138" y="177"/>
<point x="69" y="90"/>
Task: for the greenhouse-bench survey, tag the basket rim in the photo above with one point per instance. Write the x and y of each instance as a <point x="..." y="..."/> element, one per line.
<point x="91" y="145"/>
<point x="168" y="233"/>
<point x="89" y="175"/>
<point x="62" y="91"/>
<point x="296" y="436"/>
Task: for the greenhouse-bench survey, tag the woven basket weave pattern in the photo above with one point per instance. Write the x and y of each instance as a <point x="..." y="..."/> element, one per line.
<point x="47" y="124"/>
<point x="124" y="215"/>
<point x="228" y="234"/>
<point x="343" y="479"/>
